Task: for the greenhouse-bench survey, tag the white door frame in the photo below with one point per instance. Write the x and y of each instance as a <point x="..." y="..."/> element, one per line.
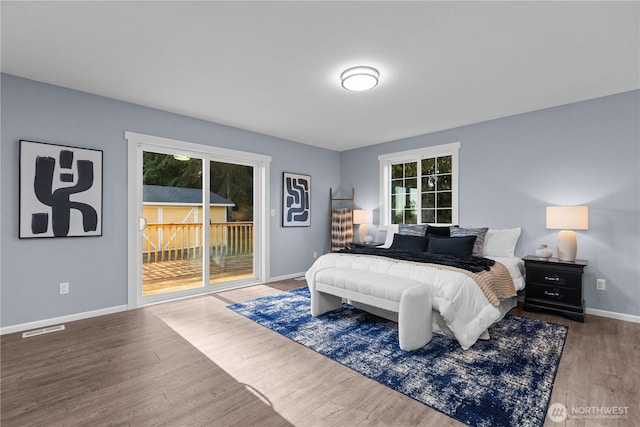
<point x="137" y="143"/>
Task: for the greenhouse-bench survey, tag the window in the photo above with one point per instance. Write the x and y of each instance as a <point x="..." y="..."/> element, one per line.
<point x="420" y="186"/>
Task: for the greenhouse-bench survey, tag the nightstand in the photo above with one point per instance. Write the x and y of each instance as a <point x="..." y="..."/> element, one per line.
<point x="554" y="285"/>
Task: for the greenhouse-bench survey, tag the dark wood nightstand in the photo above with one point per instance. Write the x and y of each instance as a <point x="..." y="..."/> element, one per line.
<point x="554" y="285"/>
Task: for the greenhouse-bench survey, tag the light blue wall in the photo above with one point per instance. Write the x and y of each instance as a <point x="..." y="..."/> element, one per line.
<point x="511" y="168"/>
<point x="96" y="267"/>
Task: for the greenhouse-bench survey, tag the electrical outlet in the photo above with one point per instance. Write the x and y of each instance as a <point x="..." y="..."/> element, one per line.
<point x="64" y="288"/>
<point x="315" y="255"/>
<point x="601" y="284"/>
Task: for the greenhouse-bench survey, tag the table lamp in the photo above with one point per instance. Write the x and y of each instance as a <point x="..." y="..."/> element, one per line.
<point x="567" y="219"/>
<point x="362" y="217"/>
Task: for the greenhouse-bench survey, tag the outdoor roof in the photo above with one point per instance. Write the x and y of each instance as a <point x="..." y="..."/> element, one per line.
<point x="164" y="194"/>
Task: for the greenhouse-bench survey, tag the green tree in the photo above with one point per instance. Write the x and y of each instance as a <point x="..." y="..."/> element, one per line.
<point x="231" y="181"/>
<point x="164" y="169"/>
<point x="234" y="182"/>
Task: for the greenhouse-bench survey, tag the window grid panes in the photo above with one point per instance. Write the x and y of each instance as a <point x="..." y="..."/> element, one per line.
<point x="422" y="191"/>
<point x="404" y="193"/>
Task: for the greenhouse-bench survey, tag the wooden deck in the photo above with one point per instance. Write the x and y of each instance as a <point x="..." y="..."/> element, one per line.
<point x="168" y="276"/>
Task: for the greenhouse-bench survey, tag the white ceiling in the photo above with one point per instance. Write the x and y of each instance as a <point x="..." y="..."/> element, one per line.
<point x="273" y="67"/>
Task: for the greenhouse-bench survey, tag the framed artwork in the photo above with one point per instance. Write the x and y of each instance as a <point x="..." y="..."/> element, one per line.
<point x="60" y="191"/>
<point x="296" y="195"/>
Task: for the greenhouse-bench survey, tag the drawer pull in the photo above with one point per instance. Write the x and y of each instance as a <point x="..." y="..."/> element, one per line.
<point x="552" y="279"/>
<point x="552" y="294"/>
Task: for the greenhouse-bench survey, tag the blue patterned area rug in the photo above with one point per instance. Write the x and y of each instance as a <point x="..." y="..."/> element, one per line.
<point x="504" y="381"/>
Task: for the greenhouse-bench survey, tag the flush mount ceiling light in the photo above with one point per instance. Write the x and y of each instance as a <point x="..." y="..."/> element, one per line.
<point x="360" y="78"/>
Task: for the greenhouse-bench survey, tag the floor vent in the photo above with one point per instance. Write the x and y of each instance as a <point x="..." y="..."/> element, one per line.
<point x="42" y="331"/>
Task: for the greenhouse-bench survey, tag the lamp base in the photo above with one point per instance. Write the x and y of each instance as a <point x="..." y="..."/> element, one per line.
<point x="363" y="232"/>
<point x="567" y="246"/>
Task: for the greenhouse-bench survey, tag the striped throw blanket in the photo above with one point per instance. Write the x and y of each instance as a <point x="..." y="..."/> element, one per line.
<point x="341" y="228"/>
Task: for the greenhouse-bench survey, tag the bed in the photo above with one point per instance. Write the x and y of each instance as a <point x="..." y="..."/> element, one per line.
<point x="462" y="306"/>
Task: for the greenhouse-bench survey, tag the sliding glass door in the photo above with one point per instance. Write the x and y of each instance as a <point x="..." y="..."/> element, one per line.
<point x="172" y="250"/>
<point x="231" y="232"/>
<point x="198" y="212"/>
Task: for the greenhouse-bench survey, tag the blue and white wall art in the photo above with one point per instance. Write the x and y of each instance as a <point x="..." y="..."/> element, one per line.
<point x="296" y="194"/>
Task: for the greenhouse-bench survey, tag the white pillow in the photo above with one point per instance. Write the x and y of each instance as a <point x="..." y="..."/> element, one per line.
<point x="391" y="230"/>
<point x="501" y="242"/>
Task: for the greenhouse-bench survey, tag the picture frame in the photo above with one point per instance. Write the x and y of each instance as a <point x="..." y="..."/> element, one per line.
<point x="60" y="191"/>
<point x="296" y="200"/>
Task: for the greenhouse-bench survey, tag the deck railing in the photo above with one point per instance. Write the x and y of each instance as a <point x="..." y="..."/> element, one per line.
<point x="176" y="241"/>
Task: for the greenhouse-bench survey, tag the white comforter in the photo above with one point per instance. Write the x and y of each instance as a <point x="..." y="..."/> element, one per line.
<point x="460" y="308"/>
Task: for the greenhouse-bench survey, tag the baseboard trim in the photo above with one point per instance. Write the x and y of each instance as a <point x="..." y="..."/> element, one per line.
<point x="285" y="277"/>
<point x="613" y="315"/>
<point x="110" y="310"/>
<point x="62" y="319"/>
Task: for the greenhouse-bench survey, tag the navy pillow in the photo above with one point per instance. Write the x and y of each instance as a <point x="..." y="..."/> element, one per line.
<point x="402" y="242"/>
<point x="457" y="246"/>
<point x="438" y="231"/>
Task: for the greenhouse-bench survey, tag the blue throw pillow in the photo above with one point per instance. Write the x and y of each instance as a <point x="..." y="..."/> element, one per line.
<point x="402" y="242"/>
<point x="457" y="246"/>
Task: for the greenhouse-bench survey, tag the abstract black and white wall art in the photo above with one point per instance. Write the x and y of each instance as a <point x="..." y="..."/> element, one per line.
<point x="60" y="191"/>
<point x="296" y="196"/>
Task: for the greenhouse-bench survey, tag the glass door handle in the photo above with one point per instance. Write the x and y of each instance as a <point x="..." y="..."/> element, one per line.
<point x="142" y="223"/>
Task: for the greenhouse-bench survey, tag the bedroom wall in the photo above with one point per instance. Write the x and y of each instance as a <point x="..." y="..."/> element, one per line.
<point x="96" y="267"/>
<point x="510" y="169"/>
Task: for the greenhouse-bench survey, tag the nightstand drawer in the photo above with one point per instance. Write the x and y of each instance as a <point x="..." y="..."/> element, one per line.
<point x="553" y="293"/>
<point x="553" y="278"/>
<point x="554" y="285"/>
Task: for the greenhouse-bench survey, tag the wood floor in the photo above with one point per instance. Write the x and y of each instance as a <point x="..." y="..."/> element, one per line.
<point x="195" y="363"/>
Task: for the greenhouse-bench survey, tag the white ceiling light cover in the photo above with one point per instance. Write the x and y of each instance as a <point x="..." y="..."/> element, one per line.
<point x="360" y="78"/>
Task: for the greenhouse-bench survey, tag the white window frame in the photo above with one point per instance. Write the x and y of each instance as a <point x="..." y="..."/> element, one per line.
<point x="385" y="162"/>
<point x="137" y="143"/>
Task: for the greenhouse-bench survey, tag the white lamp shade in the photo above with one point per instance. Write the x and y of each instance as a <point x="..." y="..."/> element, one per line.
<point x="568" y="217"/>
<point x="362" y="216"/>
